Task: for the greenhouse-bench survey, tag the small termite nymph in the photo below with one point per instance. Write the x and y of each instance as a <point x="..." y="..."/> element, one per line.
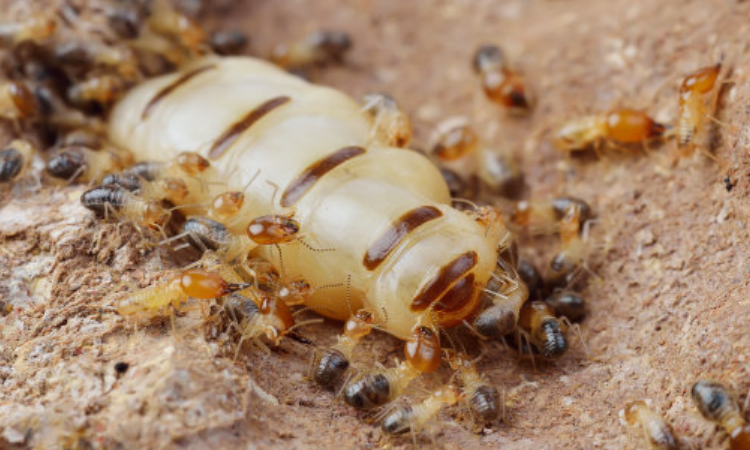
<point x="501" y="84"/>
<point x="698" y="101"/>
<point x="545" y="330"/>
<point x="196" y="284"/>
<point x="482" y="397"/>
<point x="106" y="200"/>
<point x="15" y="159"/>
<point x="567" y="304"/>
<point x="319" y="48"/>
<point x="618" y="128"/>
<point x="330" y="367"/>
<point x="415" y="417"/>
<point x="544" y="216"/>
<point x="717" y="404"/>
<point x="391" y="123"/>
<point x="657" y="433"/>
<point x="17" y="101"/>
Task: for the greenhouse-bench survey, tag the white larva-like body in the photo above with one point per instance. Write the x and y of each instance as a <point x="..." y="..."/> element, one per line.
<point x="348" y="208"/>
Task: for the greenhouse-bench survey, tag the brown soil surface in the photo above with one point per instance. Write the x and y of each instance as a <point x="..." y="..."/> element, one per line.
<point x="667" y="304"/>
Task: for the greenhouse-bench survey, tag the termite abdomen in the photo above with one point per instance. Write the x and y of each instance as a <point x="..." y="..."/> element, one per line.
<point x="330" y="368"/>
<point x="206" y="233"/>
<point x="399" y="421"/>
<point x="531" y="276"/>
<point x="495" y="322"/>
<point x="484" y="402"/>
<point x="11" y="163"/>
<point x="148" y="170"/>
<point x="567" y="304"/>
<point x="126" y="181"/>
<point x="230" y="42"/>
<point x="554" y="344"/>
<point x="368" y="392"/>
<point x="98" y="198"/>
<point x="66" y="164"/>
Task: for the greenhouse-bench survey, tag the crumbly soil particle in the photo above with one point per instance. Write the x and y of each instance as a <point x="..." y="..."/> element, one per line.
<point x="669" y="260"/>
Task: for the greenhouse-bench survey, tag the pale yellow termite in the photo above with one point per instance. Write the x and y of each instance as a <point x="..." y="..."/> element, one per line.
<point x="396" y="247"/>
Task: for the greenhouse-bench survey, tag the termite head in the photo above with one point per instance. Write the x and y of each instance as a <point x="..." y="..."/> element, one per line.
<point x="279" y="318"/>
<point x="227" y="203"/>
<point x="423" y="349"/>
<point x="714" y="401"/>
<point x="272" y="229"/>
<point x="206" y="285"/>
<point x="700" y="82"/>
<point x="454" y="141"/>
<point x="175" y="189"/>
<point x="192" y="163"/>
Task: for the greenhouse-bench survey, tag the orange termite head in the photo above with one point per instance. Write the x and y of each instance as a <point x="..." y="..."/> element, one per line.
<point x="278" y="318"/>
<point x="701" y="81"/>
<point x="206" y="285"/>
<point x="423" y="349"/>
<point x="192" y="163"/>
<point x="272" y="229"/>
<point x="630" y="126"/>
<point x="456" y="141"/>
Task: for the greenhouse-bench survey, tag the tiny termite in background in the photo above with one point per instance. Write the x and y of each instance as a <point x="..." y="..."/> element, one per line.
<point x="457" y="148"/>
<point x="17" y="102"/>
<point x="228" y="42"/>
<point x="501" y="84"/>
<point x="543" y="216"/>
<point x="15" y="159"/>
<point x="391" y="124"/>
<point x="619" y="129"/>
<point x="699" y="96"/>
<point x="482" y="397"/>
<point x="544" y="329"/>
<point x="717" y="404"/>
<point x="414" y="417"/>
<point x="318" y="49"/>
<point x="198" y="284"/>
<point x="101" y="89"/>
<point x="656" y="431"/>
<point x="36" y="29"/>
<point x="330" y="367"/>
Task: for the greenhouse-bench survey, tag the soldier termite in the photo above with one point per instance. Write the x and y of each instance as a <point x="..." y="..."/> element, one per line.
<point x="656" y="432"/>
<point x="501" y="84"/>
<point x="699" y="95"/>
<point x="414" y="262"/>
<point x="717" y="404"/>
<point x="617" y="128"/>
<point x="152" y="301"/>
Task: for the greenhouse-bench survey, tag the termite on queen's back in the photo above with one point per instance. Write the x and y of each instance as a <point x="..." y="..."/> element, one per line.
<point x="398" y="249"/>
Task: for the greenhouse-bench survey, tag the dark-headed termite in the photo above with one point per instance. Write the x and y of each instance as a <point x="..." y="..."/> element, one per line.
<point x="501" y="84"/>
<point x="482" y="397"/>
<point x="330" y="366"/>
<point x="656" y="431"/>
<point x="152" y="301"/>
<point x="717" y="404"/>
<point x="15" y="159"/>
<point x="391" y="124"/>
<point x="617" y="128"/>
<point x="546" y="332"/>
<point x="414" y="417"/>
<point x="319" y="48"/>
<point x="698" y="100"/>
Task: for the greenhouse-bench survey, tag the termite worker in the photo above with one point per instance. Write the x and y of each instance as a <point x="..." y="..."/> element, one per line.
<point x="414" y="417"/>
<point x="501" y="84"/>
<point x="15" y="159"/>
<point x="656" y="431"/>
<point x="400" y="251"/>
<point x="717" y="404"/>
<point x="618" y="127"/>
<point x="698" y="98"/>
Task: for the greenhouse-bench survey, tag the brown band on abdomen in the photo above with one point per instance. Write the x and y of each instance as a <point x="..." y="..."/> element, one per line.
<point x="448" y="275"/>
<point x="231" y="134"/>
<point x="398" y="231"/>
<point x="313" y="173"/>
<point x="168" y="89"/>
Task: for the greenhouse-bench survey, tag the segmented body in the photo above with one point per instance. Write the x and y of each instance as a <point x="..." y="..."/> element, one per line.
<point x="399" y="249"/>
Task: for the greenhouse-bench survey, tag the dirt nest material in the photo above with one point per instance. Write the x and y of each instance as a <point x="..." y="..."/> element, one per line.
<point x="667" y="303"/>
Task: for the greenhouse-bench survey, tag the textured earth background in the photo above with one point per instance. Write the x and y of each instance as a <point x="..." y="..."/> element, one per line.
<point x="668" y="304"/>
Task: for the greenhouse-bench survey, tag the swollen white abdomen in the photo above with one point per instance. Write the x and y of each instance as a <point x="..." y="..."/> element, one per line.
<point x="378" y="215"/>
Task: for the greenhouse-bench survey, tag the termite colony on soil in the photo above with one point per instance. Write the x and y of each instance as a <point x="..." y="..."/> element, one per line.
<point x="297" y="196"/>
